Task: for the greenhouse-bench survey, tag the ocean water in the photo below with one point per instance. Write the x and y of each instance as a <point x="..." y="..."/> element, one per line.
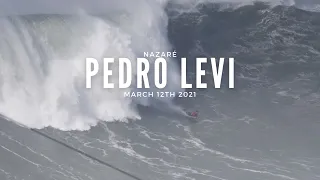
<point x="266" y="128"/>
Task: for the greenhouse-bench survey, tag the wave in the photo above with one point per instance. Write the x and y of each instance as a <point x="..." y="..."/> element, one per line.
<point x="42" y="60"/>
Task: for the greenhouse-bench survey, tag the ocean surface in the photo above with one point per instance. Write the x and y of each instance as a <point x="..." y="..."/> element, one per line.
<point x="266" y="128"/>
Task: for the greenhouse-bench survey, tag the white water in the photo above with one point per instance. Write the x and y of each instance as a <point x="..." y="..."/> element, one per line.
<point x="42" y="62"/>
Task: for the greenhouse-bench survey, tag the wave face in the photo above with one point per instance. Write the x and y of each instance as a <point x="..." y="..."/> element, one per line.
<point x="266" y="128"/>
<point x="43" y="58"/>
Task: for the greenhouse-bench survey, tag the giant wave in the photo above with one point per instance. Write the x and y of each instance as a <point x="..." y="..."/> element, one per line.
<point x="42" y="59"/>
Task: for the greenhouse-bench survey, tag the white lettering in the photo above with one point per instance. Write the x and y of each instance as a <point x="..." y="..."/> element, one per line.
<point x="217" y="75"/>
<point x="90" y="72"/>
<point x="138" y="94"/>
<point x="174" y="54"/>
<point x="231" y="73"/>
<point x="200" y="72"/>
<point x="142" y="75"/>
<point x="184" y="84"/>
<point x="107" y="73"/>
<point x="128" y="72"/>
<point x="126" y="94"/>
<point x="163" y="63"/>
<point x="160" y="54"/>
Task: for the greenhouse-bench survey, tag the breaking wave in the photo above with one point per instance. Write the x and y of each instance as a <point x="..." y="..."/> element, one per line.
<point x="42" y="59"/>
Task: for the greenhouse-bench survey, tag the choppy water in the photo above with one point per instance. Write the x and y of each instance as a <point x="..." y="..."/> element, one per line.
<point x="266" y="128"/>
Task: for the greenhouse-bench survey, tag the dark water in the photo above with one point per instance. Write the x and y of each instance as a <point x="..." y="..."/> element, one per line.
<point x="266" y="128"/>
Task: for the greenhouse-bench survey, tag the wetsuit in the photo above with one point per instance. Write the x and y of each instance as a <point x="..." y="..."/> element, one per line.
<point x="195" y="114"/>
